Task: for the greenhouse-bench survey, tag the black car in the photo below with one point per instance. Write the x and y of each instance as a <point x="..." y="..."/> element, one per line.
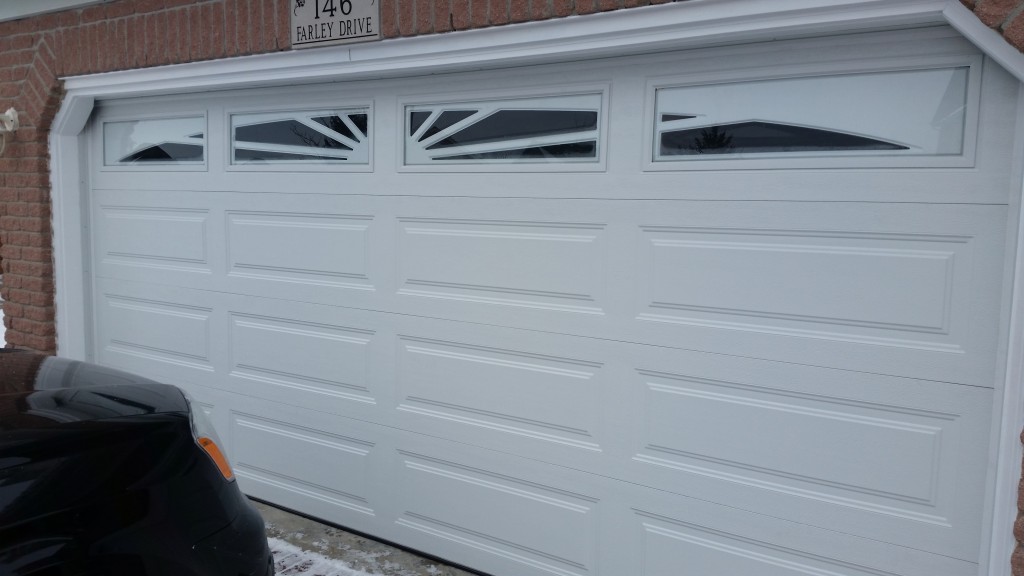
<point x="106" y="473"/>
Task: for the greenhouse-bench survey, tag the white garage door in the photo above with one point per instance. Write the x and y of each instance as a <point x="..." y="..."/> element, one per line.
<point x="726" y="312"/>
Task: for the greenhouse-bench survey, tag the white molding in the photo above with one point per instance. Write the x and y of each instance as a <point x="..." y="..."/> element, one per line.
<point x="654" y="28"/>
<point x="690" y="24"/>
<point x="66" y="177"/>
<point x="1009" y="451"/>
<point x="13" y="10"/>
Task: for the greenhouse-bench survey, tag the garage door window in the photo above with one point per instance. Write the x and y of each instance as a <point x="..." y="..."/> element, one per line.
<point x="900" y="113"/>
<point x="335" y="136"/>
<point x="526" y="130"/>
<point x="150" y="142"/>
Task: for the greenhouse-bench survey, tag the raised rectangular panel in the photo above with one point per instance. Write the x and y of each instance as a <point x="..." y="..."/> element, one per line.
<point x="540" y="396"/>
<point x="311" y="464"/>
<point x="839" y="448"/>
<point x="302" y="356"/>
<point x="157" y="330"/>
<point x="886" y="289"/>
<point x="543" y="265"/>
<point x="154" y="237"/>
<point x="669" y="547"/>
<point x="324" y="249"/>
<point x="541" y="528"/>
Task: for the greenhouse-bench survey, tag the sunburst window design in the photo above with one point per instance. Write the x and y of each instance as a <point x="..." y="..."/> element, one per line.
<point x="528" y="130"/>
<point x="758" y="137"/>
<point x="163" y="141"/>
<point x="897" y="113"/>
<point x="338" y="136"/>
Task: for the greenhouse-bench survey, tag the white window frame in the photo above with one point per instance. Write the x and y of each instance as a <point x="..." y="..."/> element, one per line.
<point x="309" y="106"/>
<point x="168" y="166"/>
<point x="812" y="160"/>
<point x="462" y="99"/>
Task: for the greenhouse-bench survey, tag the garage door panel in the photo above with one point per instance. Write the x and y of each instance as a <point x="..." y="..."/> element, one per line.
<point x="839" y="281"/>
<point x="325" y="466"/>
<point x="148" y="328"/>
<point x="508" y="393"/>
<point x="154" y="237"/>
<point x="538" y="526"/>
<point x="322" y="357"/>
<point x="273" y="446"/>
<point x="673" y="536"/>
<point x="534" y="264"/>
<point x="323" y="249"/>
<point x="864" y="454"/>
<point x="883" y="453"/>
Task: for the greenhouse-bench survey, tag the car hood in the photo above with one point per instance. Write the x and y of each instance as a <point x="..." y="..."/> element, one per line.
<point x="39" y="391"/>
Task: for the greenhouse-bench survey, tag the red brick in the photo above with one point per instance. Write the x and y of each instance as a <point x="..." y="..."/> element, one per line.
<point x="586" y="6"/>
<point x="119" y="45"/>
<point x="406" y="17"/>
<point x="540" y="9"/>
<point x="22" y="41"/>
<point x="519" y="10"/>
<point x="94" y="14"/>
<point x="256" y="27"/>
<point x="389" y="18"/>
<point x="243" y="14"/>
<point x="282" y="23"/>
<point x="31" y="269"/>
<point x="120" y="9"/>
<point x="177" y="3"/>
<point x="607" y="5"/>
<point x="99" y="45"/>
<point x="36" y="254"/>
<point x="195" y="25"/>
<point x="49" y="21"/>
<point x="424" y="16"/>
<point x="271" y="13"/>
<point x="213" y="14"/>
<point x="498" y="11"/>
<point x="1014" y="32"/>
<point x="29" y="165"/>
<point x="994" y="12"/>
<point x="38" y="314"/>
<point x="182" y="34"/>
<point x="478" y="10"/>
<point x="143" y="6"/>
<point x="70" y="18"/>
<point x="33" y="195"/>
<point x="231" y="27"/>
<point x="1017" y="562"/>
<point x="443" y="20"/>
<point x="36" y="284"/>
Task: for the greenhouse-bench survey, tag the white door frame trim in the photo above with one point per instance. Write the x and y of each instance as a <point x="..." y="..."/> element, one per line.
<point x="690" y="24"/>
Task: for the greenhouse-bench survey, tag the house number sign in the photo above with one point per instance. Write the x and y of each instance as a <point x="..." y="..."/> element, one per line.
<point x="322" y="22"/>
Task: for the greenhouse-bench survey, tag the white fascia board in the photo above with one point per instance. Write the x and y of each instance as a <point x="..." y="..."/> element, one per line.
<point x="986" y="39"/>
<point x="654" y="28"/>
<point x="16" y="9"/>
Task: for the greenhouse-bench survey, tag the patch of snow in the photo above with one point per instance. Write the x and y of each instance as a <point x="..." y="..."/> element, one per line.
<point x="290" y="560"/>
<point x="3" y="330"/>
